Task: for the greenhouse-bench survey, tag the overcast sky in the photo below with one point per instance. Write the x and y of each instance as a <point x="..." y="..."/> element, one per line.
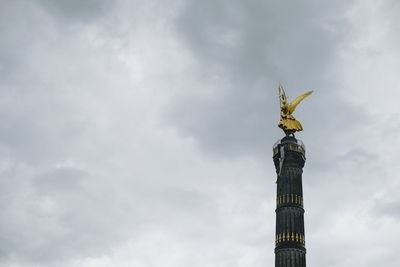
<point x="140" y="133"/>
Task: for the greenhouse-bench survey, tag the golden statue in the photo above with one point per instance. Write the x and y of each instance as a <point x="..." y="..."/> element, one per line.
<point x="288" y="123"/>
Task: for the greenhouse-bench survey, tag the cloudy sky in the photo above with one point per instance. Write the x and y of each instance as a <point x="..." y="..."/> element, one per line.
<point x="140" y="133"/>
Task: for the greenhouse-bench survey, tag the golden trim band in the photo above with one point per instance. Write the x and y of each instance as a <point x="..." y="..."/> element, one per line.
<point x="289" y="199"/>
<point x="287" y="237"/>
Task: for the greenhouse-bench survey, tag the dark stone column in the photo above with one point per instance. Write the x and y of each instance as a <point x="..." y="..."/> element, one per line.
<point x="289" y="159"/>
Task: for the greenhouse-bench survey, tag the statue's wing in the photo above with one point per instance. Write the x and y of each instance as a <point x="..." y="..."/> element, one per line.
<point x="295" y="102"/>
<point x="282" y="94"/>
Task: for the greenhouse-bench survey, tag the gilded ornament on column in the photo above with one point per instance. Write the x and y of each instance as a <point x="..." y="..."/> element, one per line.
<point x="288" y="123"/>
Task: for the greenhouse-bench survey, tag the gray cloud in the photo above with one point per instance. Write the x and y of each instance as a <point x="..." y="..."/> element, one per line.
<point x="79" y="11"/>
<point x="54" y="217"/>
<point x="140" y="134"/>
<point x="389" y="209"/>
<point x="265" y="39"/>
<point x="244" y="50"/>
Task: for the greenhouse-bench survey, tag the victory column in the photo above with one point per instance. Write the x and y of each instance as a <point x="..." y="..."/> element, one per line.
<point x="289" y="159"/>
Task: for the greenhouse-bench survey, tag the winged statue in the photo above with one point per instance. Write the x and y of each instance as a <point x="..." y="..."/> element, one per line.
<point x="288" y="123"/>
